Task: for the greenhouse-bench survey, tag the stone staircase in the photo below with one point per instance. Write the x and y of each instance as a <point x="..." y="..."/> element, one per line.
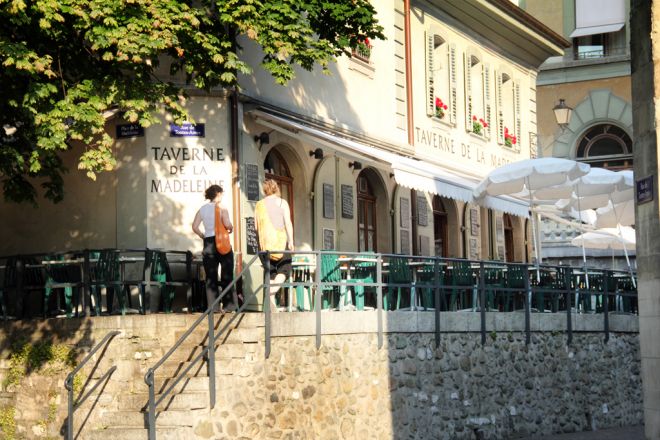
<point x="122" y="415"/>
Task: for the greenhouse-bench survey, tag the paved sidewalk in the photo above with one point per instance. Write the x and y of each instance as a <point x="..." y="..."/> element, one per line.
<point x="626" y="433"/>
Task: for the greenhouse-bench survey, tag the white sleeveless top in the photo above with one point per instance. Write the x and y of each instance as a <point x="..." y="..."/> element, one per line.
<point x="207" y="213"/>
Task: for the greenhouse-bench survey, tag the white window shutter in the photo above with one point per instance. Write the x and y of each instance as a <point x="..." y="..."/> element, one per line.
<point x="500" y="110"/>
<point x="453" y="104"/>
<point x="487" y="116"/>
<point x="517" y="112"/>
<point x="430" y="90"/>
<point x="467" y="73"/>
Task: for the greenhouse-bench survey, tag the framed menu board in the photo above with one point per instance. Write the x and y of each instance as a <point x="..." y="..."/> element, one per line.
<point x="328" y="200"/>
<point x="422" y="211"/>
<point x="474" y="221"/>
<point x="405" y="242"/>
<point x="404" y="212"/>
<point x="328" y="239"/>
<point x="346" y="201"/>
<point x="252" y="181"/>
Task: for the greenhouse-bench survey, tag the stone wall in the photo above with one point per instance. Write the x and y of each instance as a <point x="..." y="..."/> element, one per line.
<point x="348" y="388"/>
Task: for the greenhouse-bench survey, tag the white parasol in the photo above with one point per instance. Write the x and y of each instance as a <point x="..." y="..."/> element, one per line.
<point x="607" y="238"/>
<point x="525" y="178"/>
<point x="615" y="214"/>
<point x="597" y="189"/>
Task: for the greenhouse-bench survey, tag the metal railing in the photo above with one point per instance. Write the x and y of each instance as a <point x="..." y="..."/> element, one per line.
<point x="208" y="352"/>
<point x="482" y="283"/>
<point x="69" y="384"/>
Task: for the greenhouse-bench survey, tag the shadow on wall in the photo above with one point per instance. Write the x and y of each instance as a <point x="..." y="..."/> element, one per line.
<point x="85" y="218"/>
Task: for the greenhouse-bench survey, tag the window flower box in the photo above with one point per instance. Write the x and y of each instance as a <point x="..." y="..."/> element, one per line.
<point x="440" y="108"/>
<point x="509" y="139"/>
<point x="478" y="125"/>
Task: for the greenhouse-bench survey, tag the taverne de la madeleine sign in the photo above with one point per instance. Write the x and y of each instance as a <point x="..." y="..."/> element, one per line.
<point x="470" y="152"/>
<point x="186" y="169"/>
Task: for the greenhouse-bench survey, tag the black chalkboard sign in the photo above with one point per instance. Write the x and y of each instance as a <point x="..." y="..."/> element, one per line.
<point x="252" y="181"/>
<point x="251" y="236"/>
<point x="422" y="211"/>
<point x="328" y="239"/>
<point x="346" y="201"/>
<point x="328" y="201"/>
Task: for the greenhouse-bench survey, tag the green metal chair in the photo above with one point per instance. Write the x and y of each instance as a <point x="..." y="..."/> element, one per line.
<point x="330" y="273"/>
<point x="106" y="274"/>
<point x="363" y="272"/>
<point x="400" y="275"/>
<point x="515" y="279"/>
<point x="302" y="273"/>
<point x="461" y="279"/>
<point x="66" y="277"/>
<point x="494" y="280"/>
<point x="426" y="279"/>
<point x="157" y="272"/>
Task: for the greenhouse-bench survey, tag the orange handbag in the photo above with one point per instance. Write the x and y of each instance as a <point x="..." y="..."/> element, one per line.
<point x="222" y="243"/>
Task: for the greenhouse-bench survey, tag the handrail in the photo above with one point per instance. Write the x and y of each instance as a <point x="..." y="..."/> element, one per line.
<point x="68" y="382"/>
<point x="209" y="351"/>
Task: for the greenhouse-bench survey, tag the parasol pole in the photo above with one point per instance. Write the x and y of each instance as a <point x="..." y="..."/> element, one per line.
<point x="536" y="239"/>
<point x="584" y="253"/>
<point x="623" y="242"/>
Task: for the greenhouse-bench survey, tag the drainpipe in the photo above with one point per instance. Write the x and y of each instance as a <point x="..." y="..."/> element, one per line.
<point x="235" y="181"/>
<point x="410" y="118"/>
<point x="235" y="172"/>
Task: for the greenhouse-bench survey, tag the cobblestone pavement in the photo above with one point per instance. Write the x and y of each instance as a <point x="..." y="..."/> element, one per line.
<point x="626" y="433"/>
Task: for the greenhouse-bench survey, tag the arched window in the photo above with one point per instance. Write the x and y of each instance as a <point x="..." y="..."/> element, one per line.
<point x="275" y="168"/>
<point x="366" y="204"/>
<point x="606" y="146"/>
<point x="440" y="228"/>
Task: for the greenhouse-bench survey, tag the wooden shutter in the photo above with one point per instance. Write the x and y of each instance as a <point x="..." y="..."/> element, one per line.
<point x="487" y="115"/>
<point x="453" y="104"/>
<point x="430" y="90"/>
<point x="467" y="71"/>
<point x="517" y="115"/>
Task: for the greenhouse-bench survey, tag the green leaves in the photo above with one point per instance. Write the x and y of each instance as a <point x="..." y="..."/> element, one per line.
<point x="66" y="63"/>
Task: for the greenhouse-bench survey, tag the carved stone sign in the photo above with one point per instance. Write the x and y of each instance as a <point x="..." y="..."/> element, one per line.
<point x="328" y="201"/>
<point x="347" y="201"/>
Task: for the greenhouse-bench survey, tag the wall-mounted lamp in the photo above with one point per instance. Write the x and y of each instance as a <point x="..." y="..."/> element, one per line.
<point x="317" y="154"/>
<point x="355" y="165"/>
<point x="391" y="175"/>
<point x="562" y="114"/>
<point x="262" y="138"/>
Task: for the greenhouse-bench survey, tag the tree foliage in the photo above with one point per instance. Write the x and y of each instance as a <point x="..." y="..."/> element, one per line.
<point x="68" y="65"/>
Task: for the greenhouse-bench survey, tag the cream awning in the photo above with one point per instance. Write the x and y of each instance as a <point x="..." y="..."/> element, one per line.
<point x="408" y="172"/>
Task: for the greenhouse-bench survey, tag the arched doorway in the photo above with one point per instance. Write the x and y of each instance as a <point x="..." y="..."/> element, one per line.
<point x="440" y="228"/>
<point x="276" y="168"/>
<point x="508" y="239"/>
<point x="366" y="216"/>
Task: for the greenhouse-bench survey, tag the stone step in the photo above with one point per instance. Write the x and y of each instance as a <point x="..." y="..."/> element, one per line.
<point x="140" y="433"/>
<point x="138" y="419"/>
<point x="181" y="401"/>
<point x="238" y="335"/>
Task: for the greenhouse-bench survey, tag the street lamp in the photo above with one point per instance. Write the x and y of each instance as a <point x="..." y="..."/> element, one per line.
<point x="562" y="114"/>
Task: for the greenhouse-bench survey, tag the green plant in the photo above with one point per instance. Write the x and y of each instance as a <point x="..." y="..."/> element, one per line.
<point x="8" y="422"/>
<point x="493" y="335"/>
<point x="45" y="356"/>
<point x="478" y="124"/>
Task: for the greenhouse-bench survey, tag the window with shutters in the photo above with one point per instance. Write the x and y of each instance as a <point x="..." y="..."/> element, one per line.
<point x="509" y="112"/>
<point x="475" y="94"/>
<point x="440" y="78"/>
